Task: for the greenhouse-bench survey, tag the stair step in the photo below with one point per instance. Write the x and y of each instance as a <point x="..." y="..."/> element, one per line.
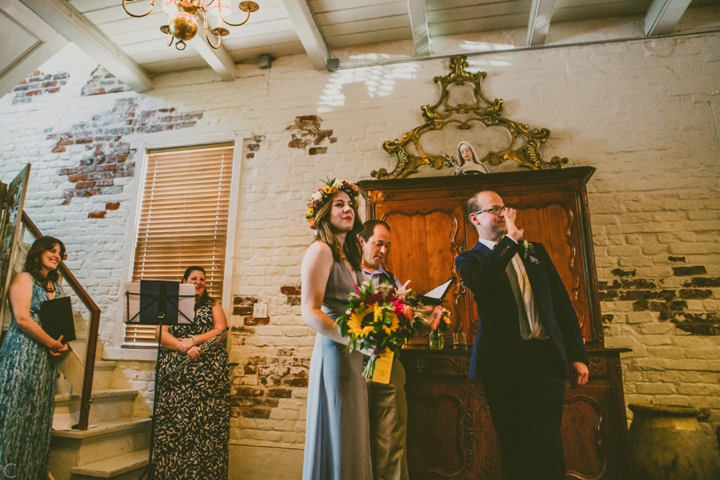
<point x="115" y="466"/>
<point x="104" y="428"/>
<point x="107" y="403"/>
<point x="98" y="393"/>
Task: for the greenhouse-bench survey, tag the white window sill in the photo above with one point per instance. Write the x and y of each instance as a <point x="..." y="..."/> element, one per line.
<point x="131" y="354"/>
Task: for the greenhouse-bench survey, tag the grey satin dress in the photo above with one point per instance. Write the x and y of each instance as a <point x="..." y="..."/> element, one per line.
<point x="337" y="438"/>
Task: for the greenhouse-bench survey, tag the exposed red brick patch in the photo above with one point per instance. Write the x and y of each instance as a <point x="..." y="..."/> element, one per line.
<point x="102" y="82"/>
<point x="256" y="321"/>
<point x="98" y="148"/>
<point x="112" y="206"/>
<point x="38" y="84"/>
<point x="307" y="132"/>
<point x="242" y="310"/>
<point x="100" y="214"/>
<point x="317" y="150"/>
<point x="287" y="290"/>
<point x="292" y="294"/>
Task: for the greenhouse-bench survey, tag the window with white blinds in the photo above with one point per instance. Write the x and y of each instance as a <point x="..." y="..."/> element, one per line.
<point x="183" y="221"/>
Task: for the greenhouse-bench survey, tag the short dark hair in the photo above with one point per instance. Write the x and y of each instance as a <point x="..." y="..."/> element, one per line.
<point x="33" y="264"/>
<point x="368" y="228"/>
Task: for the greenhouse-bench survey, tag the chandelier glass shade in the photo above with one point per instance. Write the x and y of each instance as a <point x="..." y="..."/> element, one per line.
<point x="185" y="16"/>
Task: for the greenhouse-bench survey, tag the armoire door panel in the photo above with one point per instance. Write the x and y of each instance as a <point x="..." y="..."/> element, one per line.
<point x="424" y="246"/>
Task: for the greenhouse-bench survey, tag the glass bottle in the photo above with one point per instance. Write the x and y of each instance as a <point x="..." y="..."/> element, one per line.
<point x="437" y="341"/>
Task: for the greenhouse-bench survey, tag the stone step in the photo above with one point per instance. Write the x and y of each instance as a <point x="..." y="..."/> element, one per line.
<point x="102" y="441"/>
<point x="107" y="404"/>
<point x="102" y="377"/>
<point x="123" y="467"/>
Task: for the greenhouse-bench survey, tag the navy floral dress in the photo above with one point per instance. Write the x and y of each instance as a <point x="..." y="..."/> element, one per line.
<point x="192" y="423"/>
<point x="28" y="377"/>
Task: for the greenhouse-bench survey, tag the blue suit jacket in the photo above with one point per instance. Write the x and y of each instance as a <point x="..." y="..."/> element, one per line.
<point x="483" y="271"/>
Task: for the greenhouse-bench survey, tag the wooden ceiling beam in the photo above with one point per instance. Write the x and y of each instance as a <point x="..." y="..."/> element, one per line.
<point x="663" y="15"/>
<point x="47" y="42"/>
<point x="419" y="24"/>
<point x="309" y="32"/>
<point x="219" y="59"/>
<point x="64" y="18"/>
<point x="539" y="24"/>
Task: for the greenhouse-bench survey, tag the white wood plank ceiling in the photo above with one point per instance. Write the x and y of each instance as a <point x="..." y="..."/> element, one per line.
<point x="135" y="49"/>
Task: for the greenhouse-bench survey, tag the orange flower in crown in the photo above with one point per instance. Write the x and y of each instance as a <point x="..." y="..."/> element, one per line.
<point x="325" y="193"/>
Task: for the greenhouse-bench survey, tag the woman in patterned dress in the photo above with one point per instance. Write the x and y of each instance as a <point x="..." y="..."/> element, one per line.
<point x="28" y="366"/>
<point x="192" y="420"/>
<point x="337" y="437"/>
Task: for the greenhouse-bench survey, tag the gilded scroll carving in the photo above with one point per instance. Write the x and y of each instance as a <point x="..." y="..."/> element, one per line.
<point x="513" y="141"/>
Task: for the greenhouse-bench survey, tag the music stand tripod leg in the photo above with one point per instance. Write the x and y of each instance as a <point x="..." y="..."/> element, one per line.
<point x="150" y="469"/>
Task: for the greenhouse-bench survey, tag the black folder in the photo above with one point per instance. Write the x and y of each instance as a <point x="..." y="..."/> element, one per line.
<point x="56" y="318"/>
<point x="436" y="296"/>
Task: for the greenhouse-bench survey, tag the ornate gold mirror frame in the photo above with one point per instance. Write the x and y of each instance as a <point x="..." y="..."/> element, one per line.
<point x="524" y="143"/>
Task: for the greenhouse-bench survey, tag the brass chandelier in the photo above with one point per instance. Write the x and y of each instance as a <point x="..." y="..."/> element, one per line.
<point x="183" y="17"/>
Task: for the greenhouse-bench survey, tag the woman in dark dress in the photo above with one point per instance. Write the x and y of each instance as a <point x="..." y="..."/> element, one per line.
<point x="193" y="409"/>
<point x="28" y="367"/>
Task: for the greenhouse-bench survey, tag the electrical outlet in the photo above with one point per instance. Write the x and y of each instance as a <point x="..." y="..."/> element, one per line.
<point x="260" y="310"/>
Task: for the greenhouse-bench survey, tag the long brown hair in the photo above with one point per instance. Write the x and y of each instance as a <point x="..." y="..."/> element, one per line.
<point x="324" y="233"/>
<point x="33" y="263"/>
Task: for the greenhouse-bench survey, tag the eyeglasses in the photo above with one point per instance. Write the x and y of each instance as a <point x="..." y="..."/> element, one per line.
<point x="495" y="210"/>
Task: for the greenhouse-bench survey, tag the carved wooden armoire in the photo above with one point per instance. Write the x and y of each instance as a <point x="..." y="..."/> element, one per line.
<point x="450" y="432"/>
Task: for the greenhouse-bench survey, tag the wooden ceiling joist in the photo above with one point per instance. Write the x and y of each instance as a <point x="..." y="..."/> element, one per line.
<point x="218" y="59"/>
<point x="419" y="25"/>
<point x="309" y="32"/>
<point x="539" y="25"/>
<point x="663" y="15"/>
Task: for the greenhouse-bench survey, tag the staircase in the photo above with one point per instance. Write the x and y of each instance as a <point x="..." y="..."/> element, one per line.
<point x="116" y="444"/>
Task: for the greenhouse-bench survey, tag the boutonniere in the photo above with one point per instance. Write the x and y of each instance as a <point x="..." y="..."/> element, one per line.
<point x="528" y="251"/>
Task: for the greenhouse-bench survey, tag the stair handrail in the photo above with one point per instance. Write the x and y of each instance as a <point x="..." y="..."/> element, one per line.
<point x="92" y="337"/>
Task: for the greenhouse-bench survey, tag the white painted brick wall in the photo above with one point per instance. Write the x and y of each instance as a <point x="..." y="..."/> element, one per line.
<point x="644" y="113"/>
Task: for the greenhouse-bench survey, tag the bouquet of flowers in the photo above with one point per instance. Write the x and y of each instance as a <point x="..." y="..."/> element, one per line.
<point x="379" y="318"/>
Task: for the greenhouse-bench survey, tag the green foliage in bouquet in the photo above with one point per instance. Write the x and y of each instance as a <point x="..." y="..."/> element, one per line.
<point x="378" y="318"/>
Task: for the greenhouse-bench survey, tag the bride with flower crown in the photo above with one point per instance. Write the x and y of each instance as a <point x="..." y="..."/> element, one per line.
<point x="337" y="439"/>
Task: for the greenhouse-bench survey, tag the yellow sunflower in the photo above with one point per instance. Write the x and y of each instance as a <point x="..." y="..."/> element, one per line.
<point x="394" y="323"/>
<point x="355" y="324"/>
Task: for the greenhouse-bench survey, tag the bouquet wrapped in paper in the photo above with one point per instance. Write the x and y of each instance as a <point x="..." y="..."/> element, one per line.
<point x="379" y="318"/>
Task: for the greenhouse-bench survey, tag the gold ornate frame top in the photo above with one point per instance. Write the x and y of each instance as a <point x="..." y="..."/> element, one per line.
<point x="523" y="148"/>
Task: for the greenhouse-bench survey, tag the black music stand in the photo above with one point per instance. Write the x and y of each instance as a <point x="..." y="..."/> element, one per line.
<point x="158" y="303"/>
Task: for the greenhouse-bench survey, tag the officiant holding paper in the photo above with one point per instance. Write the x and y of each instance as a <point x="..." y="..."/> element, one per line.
<point x="387" y="402"/>
<point x="28" y="366"/>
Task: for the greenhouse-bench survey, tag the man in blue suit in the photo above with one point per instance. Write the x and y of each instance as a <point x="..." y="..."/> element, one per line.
<point x="528" y="341"/>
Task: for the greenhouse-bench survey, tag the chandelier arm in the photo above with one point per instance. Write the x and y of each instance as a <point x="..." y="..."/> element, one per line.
<point x="152" y="5"/>
<point x="235" y="24"/>
<point x="207" y="37"/>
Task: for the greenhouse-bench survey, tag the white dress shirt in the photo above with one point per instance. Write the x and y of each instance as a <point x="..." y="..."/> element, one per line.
<point x="534" y="329"/>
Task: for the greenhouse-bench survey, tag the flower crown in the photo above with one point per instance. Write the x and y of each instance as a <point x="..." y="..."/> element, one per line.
<point x="325" y="193"/>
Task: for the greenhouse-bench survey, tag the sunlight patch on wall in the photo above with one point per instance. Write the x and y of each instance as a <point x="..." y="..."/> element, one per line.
<point x="379" y="81"/>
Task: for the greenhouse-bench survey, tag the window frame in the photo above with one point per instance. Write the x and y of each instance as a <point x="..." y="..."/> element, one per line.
<point x="113" y="348"/>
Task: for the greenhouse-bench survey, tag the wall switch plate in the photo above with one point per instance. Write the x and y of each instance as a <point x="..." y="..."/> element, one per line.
<point x="260" y="310"/>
